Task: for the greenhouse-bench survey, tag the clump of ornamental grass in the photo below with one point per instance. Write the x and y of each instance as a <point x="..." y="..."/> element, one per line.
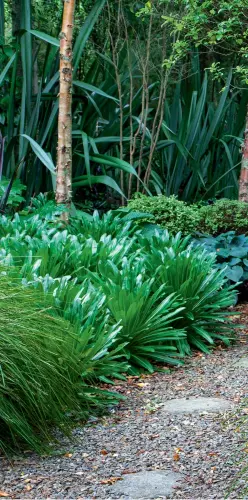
<point x="39" y="372"/>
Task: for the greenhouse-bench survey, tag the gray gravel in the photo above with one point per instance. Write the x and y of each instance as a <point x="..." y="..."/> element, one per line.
<point x="207" y="449"/>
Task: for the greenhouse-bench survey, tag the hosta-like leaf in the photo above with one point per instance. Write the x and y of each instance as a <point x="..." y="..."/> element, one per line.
<point x="234" y="273"/>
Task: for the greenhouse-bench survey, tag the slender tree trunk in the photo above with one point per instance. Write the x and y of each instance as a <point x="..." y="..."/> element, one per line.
<point x="243" y="179"/>
<point x="64" y="162"/>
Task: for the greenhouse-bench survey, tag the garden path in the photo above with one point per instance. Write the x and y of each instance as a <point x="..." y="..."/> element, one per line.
<point x="145" y="449"/>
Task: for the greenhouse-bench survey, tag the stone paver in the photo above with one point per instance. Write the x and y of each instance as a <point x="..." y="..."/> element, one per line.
<point x="147" y="484"/>
<point x="242" y="363"/>
<point x="190" y="405"/>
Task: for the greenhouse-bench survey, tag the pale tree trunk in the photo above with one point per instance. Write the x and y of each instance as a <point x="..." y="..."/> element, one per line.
<point x="64" y="162"/>
<point x="243" y="179"/>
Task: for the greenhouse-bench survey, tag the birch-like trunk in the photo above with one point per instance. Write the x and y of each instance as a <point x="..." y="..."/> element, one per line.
<point x="243" y="179"/>
<point x="64" y="161"/>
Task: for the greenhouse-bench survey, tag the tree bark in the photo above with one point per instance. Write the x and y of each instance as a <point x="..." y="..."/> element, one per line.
<point x="243" y="179"/>
<point x="64" y="161"/>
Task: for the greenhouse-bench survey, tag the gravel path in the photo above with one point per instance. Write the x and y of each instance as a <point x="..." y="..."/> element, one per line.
<point x="207" y="449"/>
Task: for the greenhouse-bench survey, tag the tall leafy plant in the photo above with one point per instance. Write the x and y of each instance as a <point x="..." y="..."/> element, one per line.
<point x="31" y="125"/>
<point x="200" y="143"/>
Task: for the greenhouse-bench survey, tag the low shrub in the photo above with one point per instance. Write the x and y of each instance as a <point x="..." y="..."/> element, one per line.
<point x="167" y="212"/>
<point x="224" y="216"/>
<point x="174" y="215"/>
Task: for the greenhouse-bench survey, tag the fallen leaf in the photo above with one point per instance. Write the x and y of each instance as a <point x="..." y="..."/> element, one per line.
<point x="111" y="480"/>
<point x="28" y="487"/>
<point x="154" y="436"/>
<point x="212" y="453"/>
<point x="129" y="471"/>
<point x="68" y="455"/>
<point x="4" y="494"/>
<point x="176" y="457"/>
<point x="104" y="452"/>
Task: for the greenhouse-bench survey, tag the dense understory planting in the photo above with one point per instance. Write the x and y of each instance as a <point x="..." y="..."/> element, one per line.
<point x="220" y="227"/>
<point x="126" y="302"/>
<point x="213" y="218"/>
<point x="48" y="364"/>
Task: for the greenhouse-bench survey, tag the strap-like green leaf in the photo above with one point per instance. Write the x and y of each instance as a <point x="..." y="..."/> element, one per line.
<point x="92" y="88"/>
<point x="85" y="32"/>
<point x="98" y="179"/>
<point x="43" y="36"/>
<point x="41" y="154"/>
<point x="6" y="69"/>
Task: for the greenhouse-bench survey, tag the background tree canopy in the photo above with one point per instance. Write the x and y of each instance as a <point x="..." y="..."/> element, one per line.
<point x="159" y="97"/>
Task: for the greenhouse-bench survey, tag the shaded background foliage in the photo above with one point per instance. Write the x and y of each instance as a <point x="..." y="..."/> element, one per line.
<point x="139" y="124"/>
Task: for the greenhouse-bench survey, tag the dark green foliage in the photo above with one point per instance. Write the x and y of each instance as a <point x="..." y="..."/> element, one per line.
<point x="200" y="291"/>
<point x="15" y="198"/>
<point x="196" y="152"/>
<point x="218" y="217"/>
<point x="146" y="315"/>
<point x="224" y="215"/>
<point x="114" y="260"/>
<point x="231" y="254"/>
<point x="167" y="212"/>
<point x="200" y="138"/>
<point x="50" y="358"/>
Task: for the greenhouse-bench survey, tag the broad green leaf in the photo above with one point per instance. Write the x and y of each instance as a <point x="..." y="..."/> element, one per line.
<point x="217" y="115"/>
<point x="85" y="32"/>
<point x="41" y="154"/>
<point x="6" y="69"/>
<point x="43" y="36"/>
<point x="234" y="273"/>
<point x="112" y="162"/>
<point x="98" y="179"/>
<point x="51" y="83"/>
<point x="86" y="155"/>
<point x="92" y="88"/>
<point x="26" y="53"/>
